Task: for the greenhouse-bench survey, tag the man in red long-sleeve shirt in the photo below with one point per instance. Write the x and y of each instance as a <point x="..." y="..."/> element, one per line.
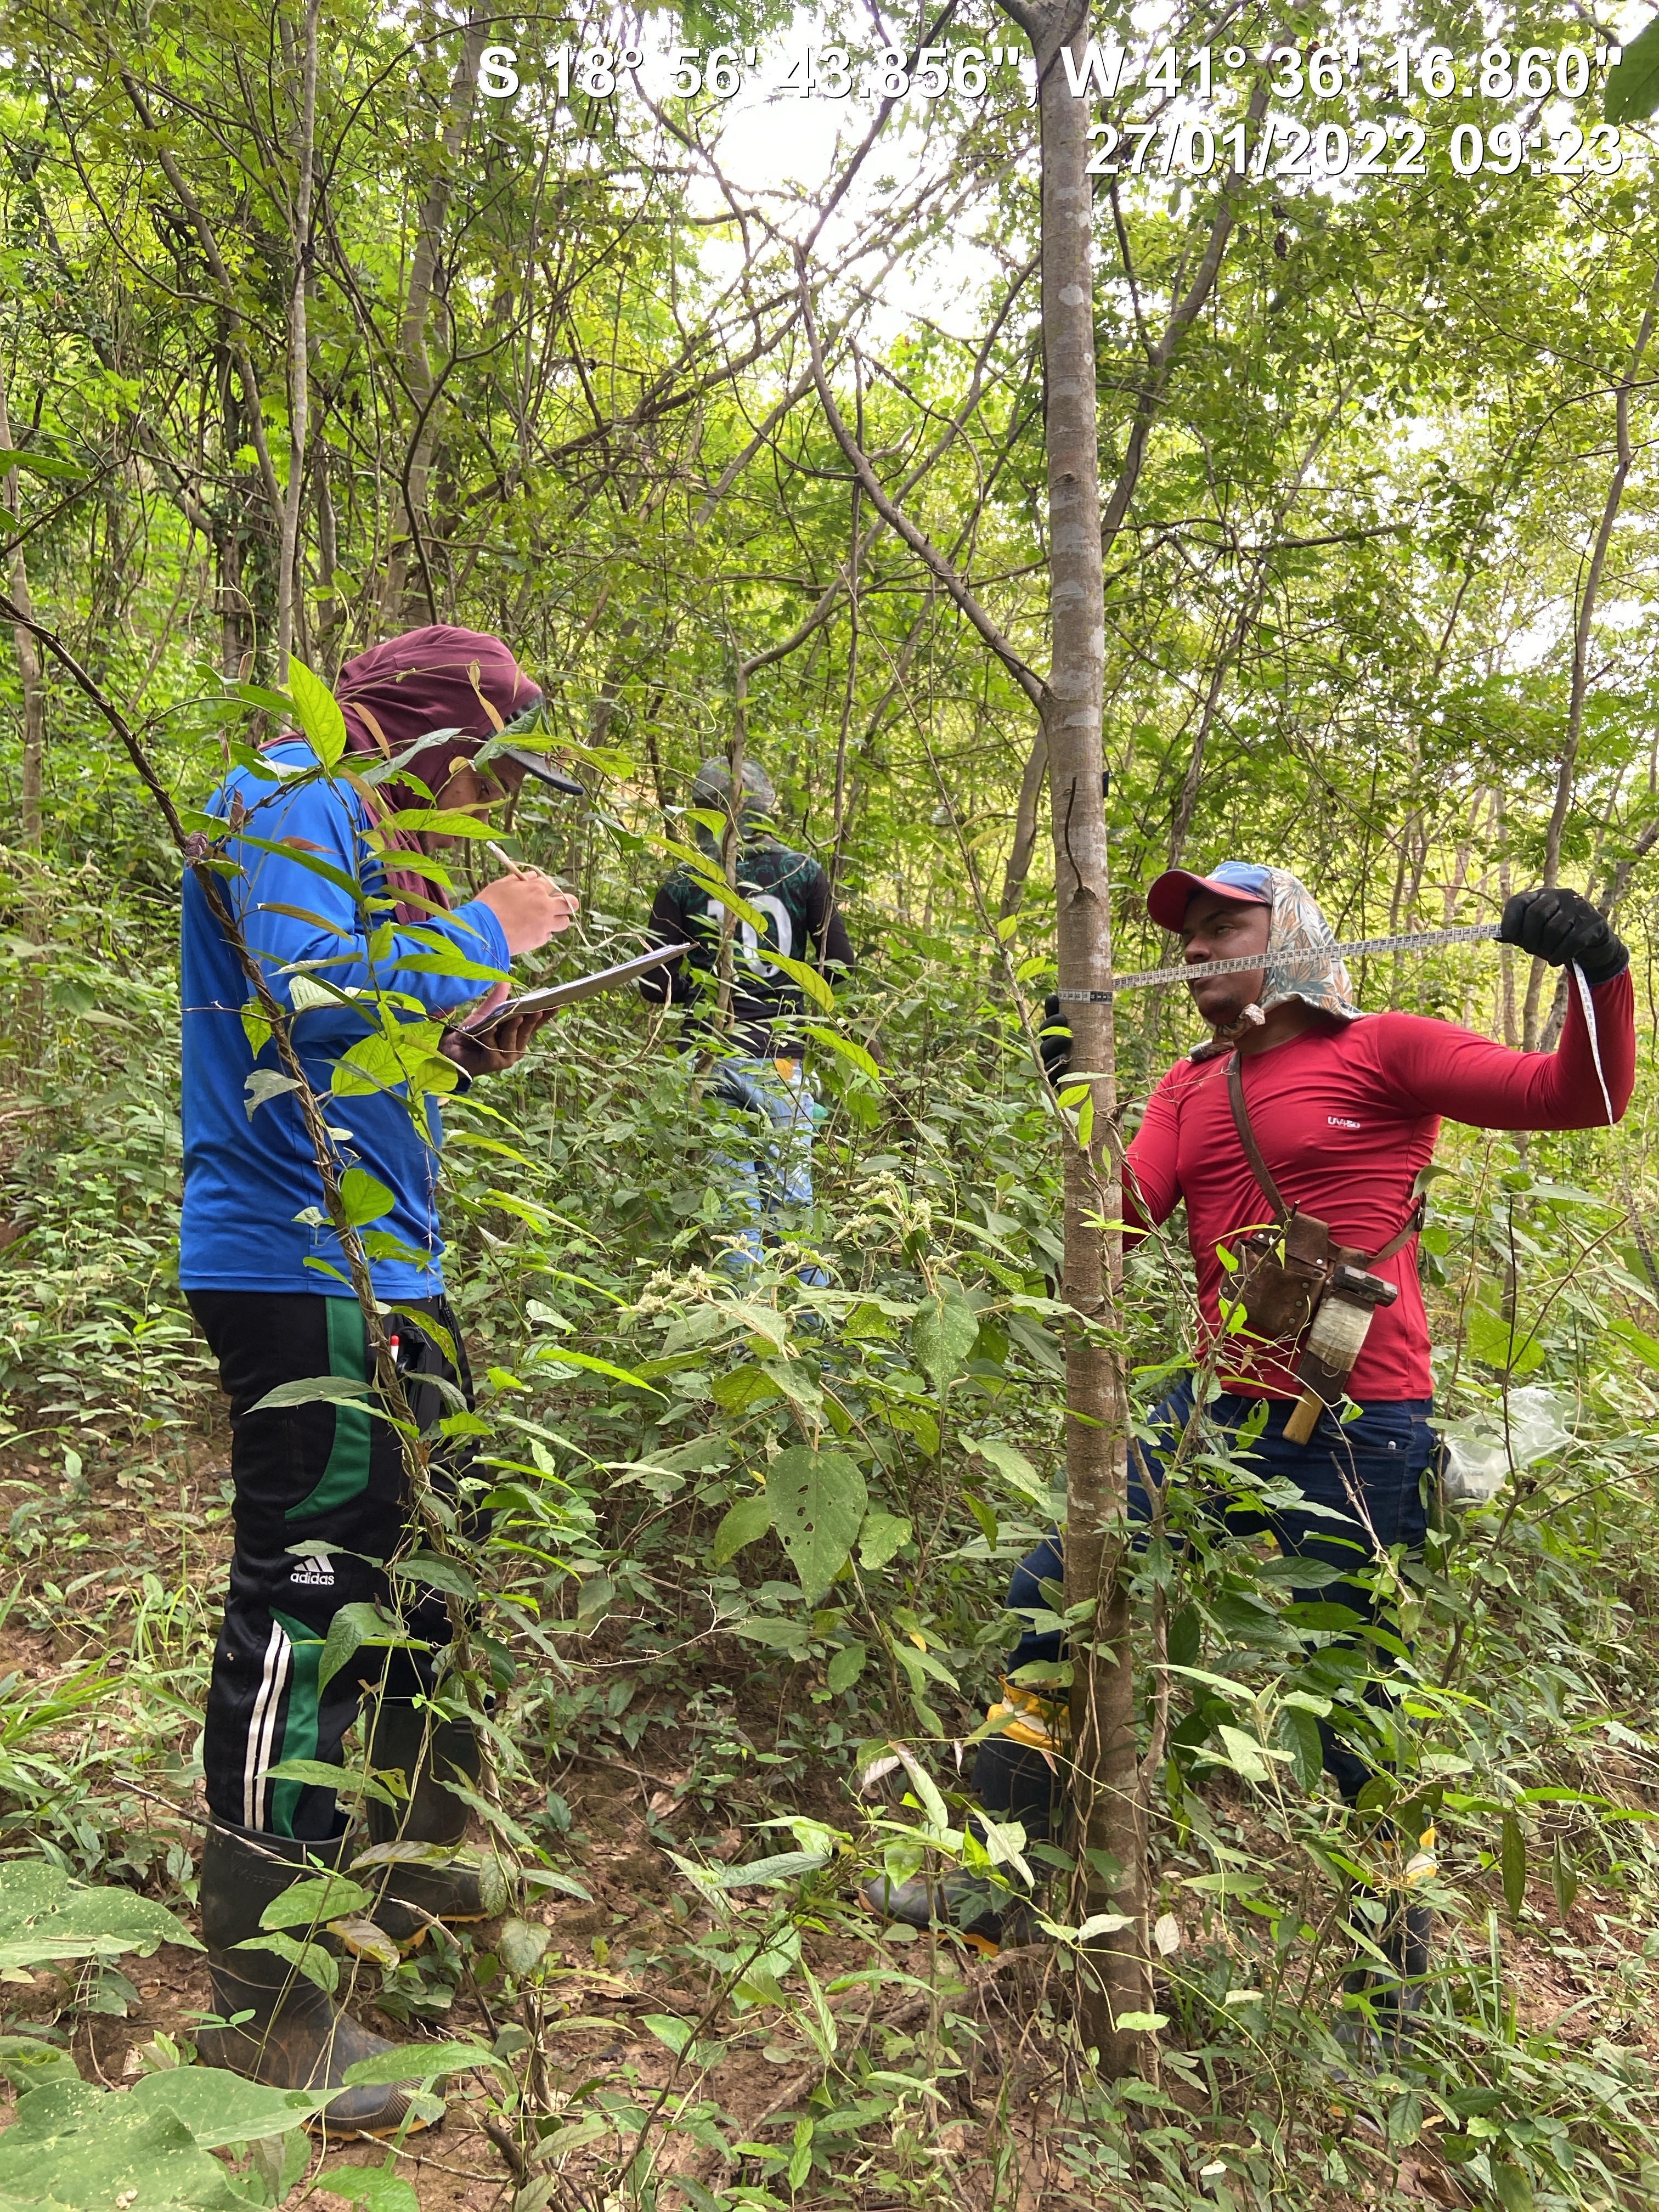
<point x="1345" y="1109"/>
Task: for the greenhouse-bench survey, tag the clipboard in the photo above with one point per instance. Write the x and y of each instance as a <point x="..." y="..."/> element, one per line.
<point x="579" y="987"/>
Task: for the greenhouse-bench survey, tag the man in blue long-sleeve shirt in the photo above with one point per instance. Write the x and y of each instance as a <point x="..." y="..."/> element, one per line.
<point x="332" y="891"/>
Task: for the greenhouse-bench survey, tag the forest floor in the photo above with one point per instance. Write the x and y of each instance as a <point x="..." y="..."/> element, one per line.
<point x="120" y="1577"/>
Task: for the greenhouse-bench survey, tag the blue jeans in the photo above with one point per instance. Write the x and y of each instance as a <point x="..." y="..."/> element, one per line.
<point x="764" y="1172"/>
<point x="1376" y="1462"/>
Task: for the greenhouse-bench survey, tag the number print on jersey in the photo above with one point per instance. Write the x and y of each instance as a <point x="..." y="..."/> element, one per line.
<point x="780" y="938"/>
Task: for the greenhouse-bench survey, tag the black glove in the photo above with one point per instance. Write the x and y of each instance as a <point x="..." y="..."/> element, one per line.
<point x="1055" y="1039"/>
<point x="1559" y="926"/>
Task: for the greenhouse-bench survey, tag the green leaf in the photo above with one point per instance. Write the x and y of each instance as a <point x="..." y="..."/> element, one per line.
<point x="943" y="1335"/>
<point x="1512" y="1861"/>
<point x="1016" y="1470"/>
<point x="371" y="2186"/>
<point x="521" y="1945"/>
<point x="310" y="1389"/>
<point x="848" y="1048"/>
<point x="317" y="713"/>
<point x="676" y="2034"/>
<point x="419" y="2062"/>
<point x="846" y="1667"/>
<point x="1298" y="1731"/>
<point x="1244" y="1754"/>
<point x="741" y="1523"/>
<point x="1513" y="2185"/>
<point x="87" y="2150"/>
<point x="564" y="1358"/>
<point x="881" y="1536"/>
<point x="44" y="1918"/>
<point x="310" y="1959"/>
<point x="364" y="1197"/>
<point x="436" y="1572"/>
<point x="263" y="1086"/>
<point x="1564" y="1880"/>
<point x="817" y="1500"/>
<point x="38" y="464"/>
<point x="1632" y="88"/>
<point x="1495" y="1344"/>
<point x="352" y="1626"/>
<point x="220" y="2108"/>
<point x="308" y="1904"/>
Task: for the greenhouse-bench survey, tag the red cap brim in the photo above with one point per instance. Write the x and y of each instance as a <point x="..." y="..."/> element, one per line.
<point x="1168" y="900"/>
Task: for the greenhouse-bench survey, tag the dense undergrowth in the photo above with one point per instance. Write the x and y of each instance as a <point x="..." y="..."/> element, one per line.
<point x="647" y="1629"/>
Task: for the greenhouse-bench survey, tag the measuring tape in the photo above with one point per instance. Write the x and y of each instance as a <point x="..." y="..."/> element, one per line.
<point x="1422" y="941"/>
<point x="1426" y="940"/>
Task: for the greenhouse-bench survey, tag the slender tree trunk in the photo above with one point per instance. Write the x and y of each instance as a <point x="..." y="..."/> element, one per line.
<point x="411" y="336"/>
<point x="1109" y="1830"/>
<point x="28" y="661"/>
<point x="1581" y="641"/>
<point x="299" y="364"/>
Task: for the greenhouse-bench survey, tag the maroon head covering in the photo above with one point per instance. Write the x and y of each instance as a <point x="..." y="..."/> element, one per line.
<point x="462" y="681"/>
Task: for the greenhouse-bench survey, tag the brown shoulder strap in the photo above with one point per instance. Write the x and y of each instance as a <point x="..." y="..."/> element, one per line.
<point x="1402" y="1235"/>
<point x="1247" y="1138"/>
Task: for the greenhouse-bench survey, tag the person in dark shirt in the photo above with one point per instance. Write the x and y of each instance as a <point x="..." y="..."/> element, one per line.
<point x="767" y="1171"/>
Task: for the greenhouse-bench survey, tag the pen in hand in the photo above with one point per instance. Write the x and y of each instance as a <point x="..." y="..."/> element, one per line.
<point x="515" y="868"/>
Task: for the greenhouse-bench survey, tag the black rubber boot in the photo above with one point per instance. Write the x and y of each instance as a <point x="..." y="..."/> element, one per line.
<point x="430" y="1873"/>
<point x="966" y="1903"/>
<point x="296" y="2039"/>
<point x="1394" y="1998"/>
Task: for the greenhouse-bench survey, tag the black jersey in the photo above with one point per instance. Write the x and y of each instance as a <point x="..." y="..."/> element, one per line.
<point x="791" y="893"/>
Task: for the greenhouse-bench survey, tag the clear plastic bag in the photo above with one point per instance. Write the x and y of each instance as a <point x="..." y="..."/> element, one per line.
<point x="1479" y="1457"/>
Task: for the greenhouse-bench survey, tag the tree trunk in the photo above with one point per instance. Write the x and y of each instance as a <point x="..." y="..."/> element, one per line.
<point x="411" y="336"/>
<point x="28" y="662"/>
<point x="1109" y="1834"/>
<point x="1581" y="642"/>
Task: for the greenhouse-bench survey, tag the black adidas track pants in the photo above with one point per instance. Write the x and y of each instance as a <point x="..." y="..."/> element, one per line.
<point x="320" y="1472"/>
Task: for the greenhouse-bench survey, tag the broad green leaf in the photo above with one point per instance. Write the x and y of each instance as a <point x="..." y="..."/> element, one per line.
<point x="521" y="1945"/>
<point x="364" y="1197"/>
<point x="420" y="2061"/>
<point x="743" y="1388"/>
<point x="881" y="1536"/>
<point x="309" y="1903"/>
<point x="1632" y="88"/>
<point x="263" y="1084"/>
<point x="310" y="1389"/>
<point x="310" y="1959"/>
<point x="675" y="2034"/>
<point x="93" y="2151"/>
<point x="371" y="2186"/>
<point x="1245" y="1755"/>
<point x="817" y="1500"/>
<point x="846" y="1667"/>
<point x="352" y="1626"/>
<point x="220" y="2108"/>
<point x="44" y="1917"/>
<point x="438" y="1573"/>
<point x="1496" y="1343"/>
<point x="1513" y="2185"/>
<point x="943" y="1335"/>
<point x="741" y="1523"/>
<point x="1011" y="1464"/>
<point x="317" y="713"/>
<point x="38" y="464"/>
